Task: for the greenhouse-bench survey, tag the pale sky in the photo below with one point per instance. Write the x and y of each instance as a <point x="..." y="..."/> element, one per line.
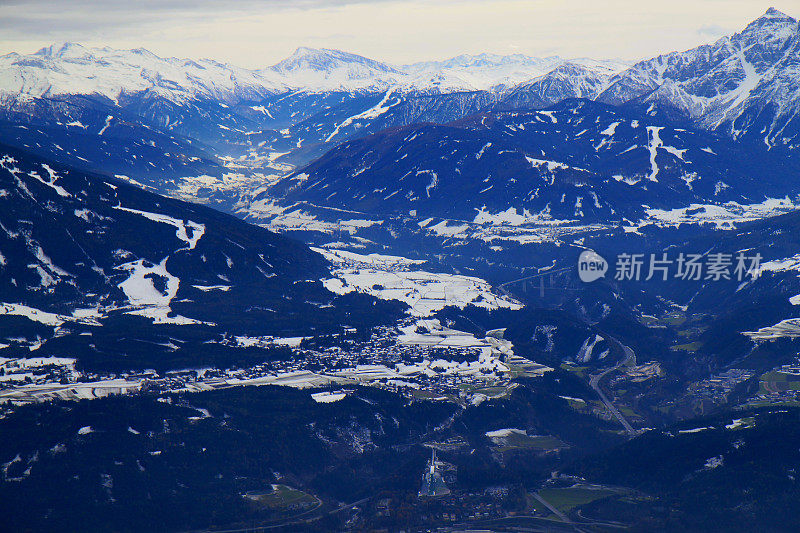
<point x="255" y="34"/>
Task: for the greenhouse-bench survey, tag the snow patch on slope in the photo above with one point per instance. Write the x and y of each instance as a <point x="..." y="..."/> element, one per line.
<point x="424" y="292"/>
<point x="152" y="302"/>
<point x="182" y="227"/>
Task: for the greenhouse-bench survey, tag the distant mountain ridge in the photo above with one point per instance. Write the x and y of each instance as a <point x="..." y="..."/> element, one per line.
<point x="719" y="81"/>
<point x="57" y="69"/>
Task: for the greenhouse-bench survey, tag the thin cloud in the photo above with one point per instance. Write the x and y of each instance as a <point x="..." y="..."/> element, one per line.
<point x="258" y="33"/>
<point x="714" y="30"/>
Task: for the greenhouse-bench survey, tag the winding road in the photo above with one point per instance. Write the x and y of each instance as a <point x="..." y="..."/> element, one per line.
<point x="594" y="382"/>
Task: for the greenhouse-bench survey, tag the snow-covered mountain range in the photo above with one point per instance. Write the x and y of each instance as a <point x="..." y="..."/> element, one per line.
<point x="714" y="84"/>
<point x="230" y="130"/>
<point x="71" y="69"/>
<point x="567" y="80"/>
<point x="746" y="85"/>
<point x="501" y="73"/>
<point x="113" y="111"/>
<point x="577" y="160"/>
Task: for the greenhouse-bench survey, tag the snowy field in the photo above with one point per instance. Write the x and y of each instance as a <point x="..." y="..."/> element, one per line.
<point x="789" y="328"/>
<point x="726" y="216"/>
<point x="147" y="300"/>
<point x="390" y="278"/>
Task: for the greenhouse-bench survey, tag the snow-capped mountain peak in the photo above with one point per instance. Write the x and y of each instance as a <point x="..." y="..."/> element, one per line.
<point x="64" y="50"/>
<point x="773" y="13"/>
<point x="767" y="33"/>
<point x="742" y="85"/>
<point x="582" y="78"/>
<point x="324" y="69"/>
<point x="326" y="59"/>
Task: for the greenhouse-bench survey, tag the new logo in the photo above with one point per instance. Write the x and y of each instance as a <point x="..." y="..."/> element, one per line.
<point x="591" y="266"/>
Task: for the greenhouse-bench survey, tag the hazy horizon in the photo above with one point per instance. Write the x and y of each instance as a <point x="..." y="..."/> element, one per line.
<point x="257" y="34"/>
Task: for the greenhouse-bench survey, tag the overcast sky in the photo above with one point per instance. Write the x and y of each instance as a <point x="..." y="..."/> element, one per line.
<point x="253" y="34"/>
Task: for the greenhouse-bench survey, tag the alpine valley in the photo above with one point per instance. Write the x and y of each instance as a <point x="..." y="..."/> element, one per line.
<point x="338" y="294"/>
